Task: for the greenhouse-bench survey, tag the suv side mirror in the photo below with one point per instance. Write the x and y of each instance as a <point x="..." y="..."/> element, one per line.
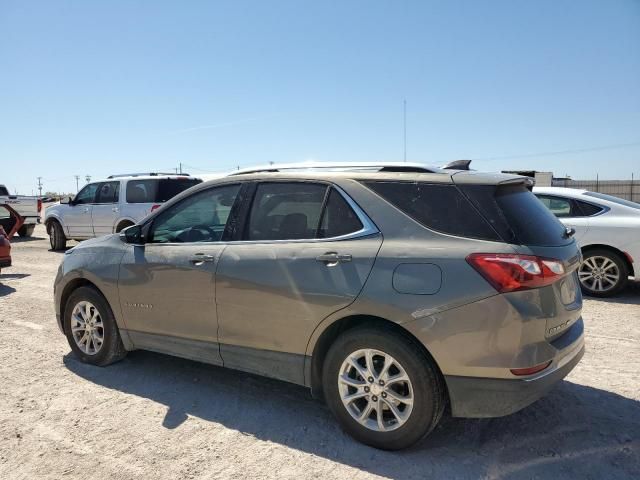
<point x="132" y="235"/>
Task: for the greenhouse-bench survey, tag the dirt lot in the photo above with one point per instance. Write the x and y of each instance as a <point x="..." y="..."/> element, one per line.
<point x="153" y="416"/>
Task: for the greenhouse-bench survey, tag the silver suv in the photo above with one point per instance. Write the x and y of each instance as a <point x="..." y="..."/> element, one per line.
<point x="111" y="205"/>
<point x="392" y="292"/>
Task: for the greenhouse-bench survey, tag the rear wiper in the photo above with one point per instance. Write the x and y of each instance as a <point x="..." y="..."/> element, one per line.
<point x="569" y="232"/>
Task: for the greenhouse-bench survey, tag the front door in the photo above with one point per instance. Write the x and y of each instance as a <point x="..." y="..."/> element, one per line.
<point x="305" y="253"/>
<point x="77" y="217"/>
<point x="105" y="211"/>
<point x="167" y="285"/>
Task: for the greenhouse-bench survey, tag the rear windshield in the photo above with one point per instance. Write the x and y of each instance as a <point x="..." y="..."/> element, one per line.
<point x="612" y="199"/>
<point x="440" y="207"/>
<point x="157" y="190"/>
<point x="517" y="215"/>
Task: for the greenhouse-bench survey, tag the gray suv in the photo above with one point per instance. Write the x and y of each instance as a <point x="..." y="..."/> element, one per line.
<point x="393" y="292"/>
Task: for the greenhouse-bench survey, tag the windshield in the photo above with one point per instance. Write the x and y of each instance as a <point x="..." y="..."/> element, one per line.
<point x="612" y="199"/>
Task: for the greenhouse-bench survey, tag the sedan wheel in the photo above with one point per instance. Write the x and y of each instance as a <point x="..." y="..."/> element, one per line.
<point x="602" y="273"/>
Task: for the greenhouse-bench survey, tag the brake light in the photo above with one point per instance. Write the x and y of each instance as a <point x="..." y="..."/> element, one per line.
<point x="153" y="207"/>
<point x="39" y="205"/>
<point x="508" y="273"/>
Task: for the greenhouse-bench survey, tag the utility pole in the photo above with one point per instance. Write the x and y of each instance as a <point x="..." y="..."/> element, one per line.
<point x="180" y="168"/>
<point x="77" y="178"/>
<point x="405" y="128"/>
<point x="87" y="178"/>
<point x="40" y="186"/>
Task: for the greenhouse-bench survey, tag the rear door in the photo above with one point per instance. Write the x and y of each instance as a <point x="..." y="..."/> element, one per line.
<point x="105" y="211"/>
<point x="77" y="218"/>
<point x="304" y="252"/>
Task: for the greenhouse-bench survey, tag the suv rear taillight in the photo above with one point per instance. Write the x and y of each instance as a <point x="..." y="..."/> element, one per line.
<point x="508" y="273"/>
<point x="39" y="205"/>
<point x="156" y="206"/>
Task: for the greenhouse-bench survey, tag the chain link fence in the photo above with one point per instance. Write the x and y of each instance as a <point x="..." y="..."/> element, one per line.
<point x="626" y="189"/>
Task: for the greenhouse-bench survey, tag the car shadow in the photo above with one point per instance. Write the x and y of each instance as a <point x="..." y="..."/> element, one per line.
<point x="5" y="289"/>
<point x="19" y="239"/>
<point x="575" y="431"/>
<point x="629" y="296"/>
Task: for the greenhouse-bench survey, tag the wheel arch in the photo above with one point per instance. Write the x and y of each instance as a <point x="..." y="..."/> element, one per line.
<point x="597" y="246"/>
<point x="324" y="341"/>
<point x="123" y="221"/>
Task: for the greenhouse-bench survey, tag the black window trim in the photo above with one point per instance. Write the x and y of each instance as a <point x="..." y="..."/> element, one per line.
<point x="368" y="227"/>
<point x="576" y="201"/>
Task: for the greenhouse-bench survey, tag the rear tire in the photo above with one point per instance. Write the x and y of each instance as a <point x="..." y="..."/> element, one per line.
<point x="57" y="238"/>
<point x="91" y="329"/>
<point x="603" y="273"/>
<point x="26" y="230"/>
<point x="410" y="409"/>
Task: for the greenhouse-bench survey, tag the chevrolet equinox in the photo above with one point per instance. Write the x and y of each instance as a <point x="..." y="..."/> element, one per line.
<point x="392" y="291"/>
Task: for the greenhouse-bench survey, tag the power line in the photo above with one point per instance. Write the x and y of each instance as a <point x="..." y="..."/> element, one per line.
<point x="562" y="152"/>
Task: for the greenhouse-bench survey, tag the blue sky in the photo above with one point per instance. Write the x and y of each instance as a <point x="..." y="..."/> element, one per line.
<point x="89" y="87"/>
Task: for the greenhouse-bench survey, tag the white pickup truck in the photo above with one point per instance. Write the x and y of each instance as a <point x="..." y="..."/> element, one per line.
<point x="28" y="208"/>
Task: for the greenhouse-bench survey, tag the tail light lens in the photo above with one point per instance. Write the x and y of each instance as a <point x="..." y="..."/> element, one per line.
<point x="39" y="205"/>
<point x="153" y="207"/>
<point x="508" y="273"/>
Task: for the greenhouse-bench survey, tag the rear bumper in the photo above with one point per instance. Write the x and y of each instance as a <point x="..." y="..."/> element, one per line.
<point x="474" y="397"/>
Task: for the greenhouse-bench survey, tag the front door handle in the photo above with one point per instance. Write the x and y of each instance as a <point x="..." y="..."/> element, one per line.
<point x="200" y="258"/>
<point x="333" y="258"/>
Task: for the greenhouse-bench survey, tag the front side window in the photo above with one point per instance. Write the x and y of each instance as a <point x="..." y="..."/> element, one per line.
<point x="201" y="217"/>
<point x="86" y="195"/>
<point x="108" y="192"/>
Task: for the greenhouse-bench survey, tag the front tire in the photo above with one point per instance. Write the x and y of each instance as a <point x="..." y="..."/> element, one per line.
<point x="91" y="329"/>
<point x="382" y="387"/>
<point x="57" y="238"/>
<point x="603" y="273"/>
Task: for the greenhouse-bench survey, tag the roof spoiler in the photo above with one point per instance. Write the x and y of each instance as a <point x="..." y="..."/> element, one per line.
<point x="458" y="165"/>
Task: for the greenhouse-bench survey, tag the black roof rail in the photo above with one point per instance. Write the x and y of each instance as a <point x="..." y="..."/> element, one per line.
<point x="458" y="165"/>
<point x="148" y="174"/>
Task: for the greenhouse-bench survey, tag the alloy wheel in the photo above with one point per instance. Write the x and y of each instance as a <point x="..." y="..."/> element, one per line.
<point x="376" y="390"/>
<point x="599" y="274"/>
<point x="87" y="328"/>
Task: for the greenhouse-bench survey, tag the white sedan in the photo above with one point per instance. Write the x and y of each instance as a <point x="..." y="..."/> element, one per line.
<point x="607" y="229"/>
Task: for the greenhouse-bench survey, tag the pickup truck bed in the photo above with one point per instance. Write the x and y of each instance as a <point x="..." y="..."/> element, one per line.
<point x="28" y="208"/>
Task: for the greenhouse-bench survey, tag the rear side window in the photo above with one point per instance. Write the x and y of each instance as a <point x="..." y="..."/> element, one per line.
<point x="517" y="215"/>
<point x="286" y="211"/>
<point x="157" y="190"/>
<point x="338" y="218"/>
<point x="108" y="192"/>
<point x="440" y="207"/>
<point x="588" y="209"/>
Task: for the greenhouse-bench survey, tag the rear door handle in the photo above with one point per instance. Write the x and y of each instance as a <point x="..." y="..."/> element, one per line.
<point x="333" y="258"/>
<point x="200" y="258"/>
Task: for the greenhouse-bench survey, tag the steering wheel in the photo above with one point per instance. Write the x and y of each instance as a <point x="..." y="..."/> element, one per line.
<point x="199" y="233"/>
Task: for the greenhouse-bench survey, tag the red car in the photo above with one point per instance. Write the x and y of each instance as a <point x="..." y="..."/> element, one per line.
<point x="10" y="222"/>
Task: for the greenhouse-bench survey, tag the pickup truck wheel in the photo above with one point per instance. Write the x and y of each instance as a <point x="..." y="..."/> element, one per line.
<point x="383" y="389"/>
<point x="26" y="230"/>
<point x="91" y="329"/>
<point x="56" y="236"/>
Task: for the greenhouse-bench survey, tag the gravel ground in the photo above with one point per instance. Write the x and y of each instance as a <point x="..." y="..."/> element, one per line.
<point x="154" y="416"/>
